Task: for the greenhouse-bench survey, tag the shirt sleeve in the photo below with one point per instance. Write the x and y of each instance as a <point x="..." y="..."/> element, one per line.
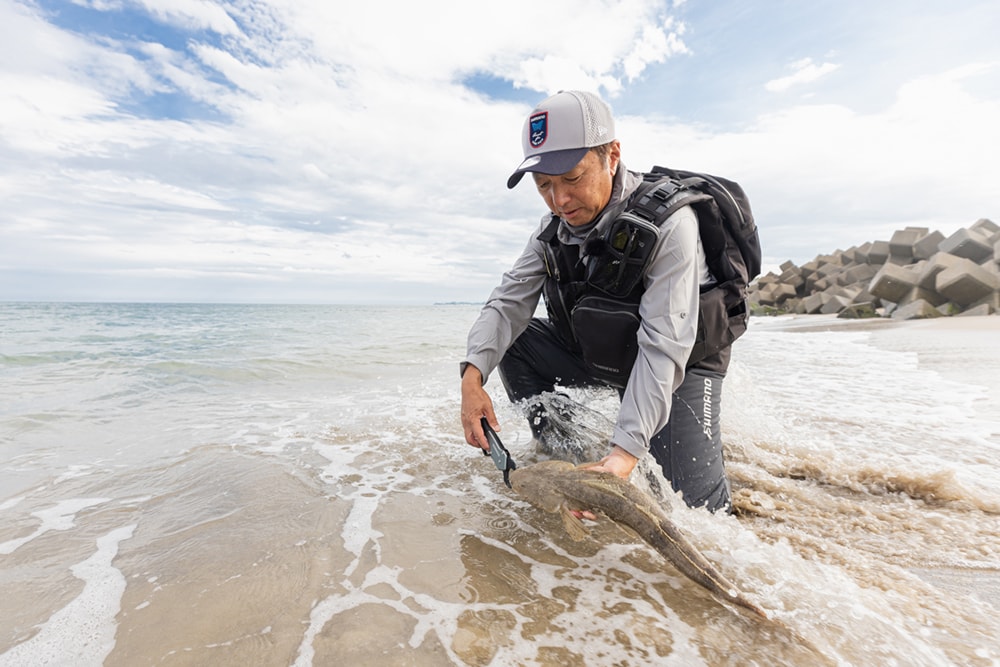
<point x="669" y="321"/>
<point x="507" y="311"/>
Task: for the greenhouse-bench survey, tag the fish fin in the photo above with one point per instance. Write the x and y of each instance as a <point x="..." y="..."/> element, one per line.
<point x="577" y="531"/>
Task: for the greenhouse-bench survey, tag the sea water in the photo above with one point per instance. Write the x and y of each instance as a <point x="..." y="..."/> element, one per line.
<point x="279" y="485"/>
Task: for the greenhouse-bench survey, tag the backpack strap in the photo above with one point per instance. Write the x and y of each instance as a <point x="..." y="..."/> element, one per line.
<point x="655" y="201"/>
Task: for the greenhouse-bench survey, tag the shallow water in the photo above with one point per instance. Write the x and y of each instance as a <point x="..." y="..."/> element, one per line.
<point x="277" y="485"/>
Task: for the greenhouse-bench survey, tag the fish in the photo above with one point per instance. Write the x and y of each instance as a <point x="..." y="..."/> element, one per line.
<point x="560" y="487"/>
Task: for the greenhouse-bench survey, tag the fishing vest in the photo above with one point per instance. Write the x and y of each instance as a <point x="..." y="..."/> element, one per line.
<point x="594" y="304"/>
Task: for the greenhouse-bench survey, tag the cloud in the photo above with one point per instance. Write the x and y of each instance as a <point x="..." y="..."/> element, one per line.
<point x="805" y="71"/>
<point x="828" y="176"/>
<point x="344" y="116"/>
<point x="655" y="45"/>
<point x="310" y="151"/>
<point x="190" y="14"/>
<point x="531" y="44"/>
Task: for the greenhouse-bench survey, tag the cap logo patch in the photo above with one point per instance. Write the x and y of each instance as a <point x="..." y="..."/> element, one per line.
<point x="539" y="129"/>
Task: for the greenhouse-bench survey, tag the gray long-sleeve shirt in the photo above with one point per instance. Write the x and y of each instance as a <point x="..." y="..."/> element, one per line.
<point x="668" y="312"/>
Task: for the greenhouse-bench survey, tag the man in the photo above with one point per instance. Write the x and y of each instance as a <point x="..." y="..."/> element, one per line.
<point x="667" y="408"/>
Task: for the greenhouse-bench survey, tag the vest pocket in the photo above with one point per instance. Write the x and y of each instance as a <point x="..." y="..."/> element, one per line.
<point x="606" y="332"/>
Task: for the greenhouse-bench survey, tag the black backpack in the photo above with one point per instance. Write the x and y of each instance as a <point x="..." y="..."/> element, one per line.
<point x="728" y="232"/>
<point x="728" y="236"/>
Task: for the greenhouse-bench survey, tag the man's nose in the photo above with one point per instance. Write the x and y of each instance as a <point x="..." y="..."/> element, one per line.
<point x="560" y="195"/>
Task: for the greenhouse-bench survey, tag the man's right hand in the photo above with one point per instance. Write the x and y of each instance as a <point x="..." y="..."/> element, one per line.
<point x="476" y="403"/>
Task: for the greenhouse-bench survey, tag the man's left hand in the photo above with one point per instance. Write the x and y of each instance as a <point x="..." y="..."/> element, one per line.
<point x="619" y="463"/>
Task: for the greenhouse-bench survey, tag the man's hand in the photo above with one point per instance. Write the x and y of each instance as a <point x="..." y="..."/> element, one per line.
<point x="619" y="463"/>
<point x="476" y="403"/>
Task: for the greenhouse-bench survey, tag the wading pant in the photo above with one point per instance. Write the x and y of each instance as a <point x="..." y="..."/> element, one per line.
<point x="688" y="448"/>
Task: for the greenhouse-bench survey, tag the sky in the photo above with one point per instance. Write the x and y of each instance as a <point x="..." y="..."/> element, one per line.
<point x="306" y="151"/>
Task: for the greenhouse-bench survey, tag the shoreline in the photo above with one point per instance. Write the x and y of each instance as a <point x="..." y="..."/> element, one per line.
<point x="960" y="349"/>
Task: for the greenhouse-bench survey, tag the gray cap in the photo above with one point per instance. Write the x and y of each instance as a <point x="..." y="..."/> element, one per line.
<point x="560" y="131"/>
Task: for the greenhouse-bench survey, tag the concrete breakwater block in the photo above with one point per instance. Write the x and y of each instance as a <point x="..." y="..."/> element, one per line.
<point x="968" y="244"/>
<point x="893" y="282"/>
<point x="925" y="247"/>
<point x="966" y="283"/>
<point x="902" y="242"/>
<point x="918" y="273"/>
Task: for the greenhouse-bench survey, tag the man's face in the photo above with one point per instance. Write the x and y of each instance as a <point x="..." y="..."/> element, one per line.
<point x="582" y="192"/>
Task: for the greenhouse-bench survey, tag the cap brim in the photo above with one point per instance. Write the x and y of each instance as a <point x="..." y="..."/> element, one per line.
<point x="553" y="162"/>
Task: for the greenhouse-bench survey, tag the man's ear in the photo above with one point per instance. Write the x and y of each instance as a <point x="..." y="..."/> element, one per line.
<point x="614" y="156"/>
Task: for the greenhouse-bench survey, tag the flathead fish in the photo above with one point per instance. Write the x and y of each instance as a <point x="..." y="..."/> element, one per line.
<point x="561" y="487"/>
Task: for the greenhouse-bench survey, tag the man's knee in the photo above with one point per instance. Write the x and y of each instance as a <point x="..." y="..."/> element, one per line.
<point x="537" y="361"/>
<point x="519" y="369"/>
<point x="698" y="474"/>
<point x="717" y="500"/>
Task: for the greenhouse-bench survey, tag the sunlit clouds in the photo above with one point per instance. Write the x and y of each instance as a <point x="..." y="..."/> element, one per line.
<point x="319" y="152"/>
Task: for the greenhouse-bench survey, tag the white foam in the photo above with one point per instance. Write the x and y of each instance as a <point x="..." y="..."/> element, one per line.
<point x="358" y="527"/>
<point x="74" y="472"/>
<point x="83" y="632"/>
<point x="60" y="517"/>
<point x="11" y="502"/>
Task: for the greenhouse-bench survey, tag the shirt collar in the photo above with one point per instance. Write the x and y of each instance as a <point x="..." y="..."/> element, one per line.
<point x="622" y="186"/>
